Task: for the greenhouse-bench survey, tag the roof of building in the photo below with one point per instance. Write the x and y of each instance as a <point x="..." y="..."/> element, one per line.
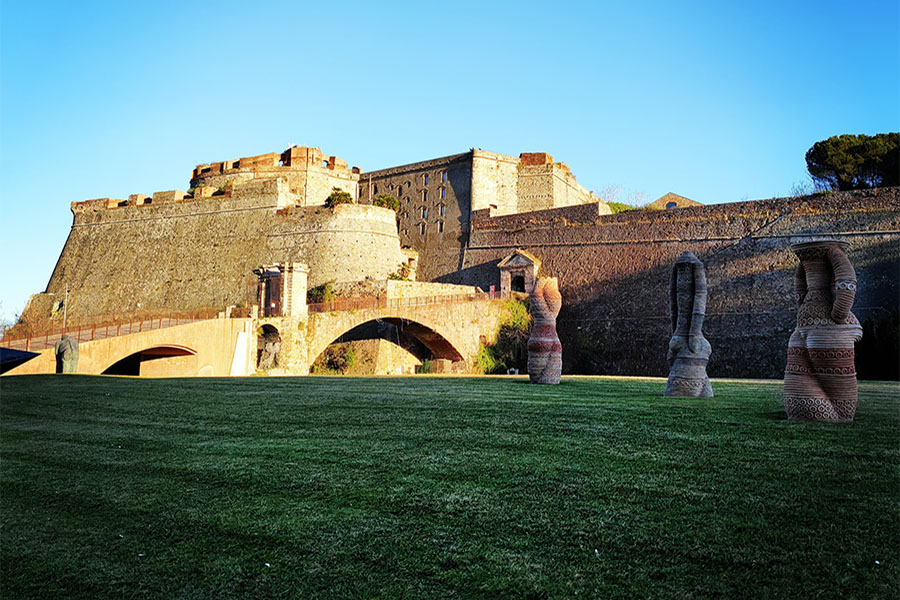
<point x="680" y="202"/>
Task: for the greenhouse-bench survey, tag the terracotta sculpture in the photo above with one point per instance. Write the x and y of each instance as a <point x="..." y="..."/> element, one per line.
<point x="66" y="350"/>
<point x="820" y="377"/>
<point x="688" y="350"/>
<point x="544" y="349"/>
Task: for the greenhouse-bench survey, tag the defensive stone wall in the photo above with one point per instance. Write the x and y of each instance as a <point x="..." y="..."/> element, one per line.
<point x="310" y="175"/>
<point x="186" y="254"/>
<point x="614" y="271"/>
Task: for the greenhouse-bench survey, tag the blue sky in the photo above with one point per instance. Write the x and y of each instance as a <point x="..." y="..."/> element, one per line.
<point x="717" y="101"/>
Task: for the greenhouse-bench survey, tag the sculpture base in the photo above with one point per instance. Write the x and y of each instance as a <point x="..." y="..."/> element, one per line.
<point x="801" y="408"/>
<point x="680" y="387"/>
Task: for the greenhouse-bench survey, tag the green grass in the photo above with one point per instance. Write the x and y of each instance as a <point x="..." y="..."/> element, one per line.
<point x="440" y="487"/>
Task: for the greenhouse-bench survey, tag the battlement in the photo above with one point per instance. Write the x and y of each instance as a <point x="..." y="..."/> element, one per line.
<point x="295" y="157"/>
<point x="529" y="159"/>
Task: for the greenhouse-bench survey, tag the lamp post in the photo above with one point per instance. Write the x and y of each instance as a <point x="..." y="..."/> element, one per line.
<point x="65" y="306"/>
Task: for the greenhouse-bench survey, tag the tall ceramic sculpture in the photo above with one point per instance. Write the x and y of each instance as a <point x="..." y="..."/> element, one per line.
<point x="820" y="377"/>
<point x="66" y="350"/>
<point x="688" y="350"/>
<point x="544" y="349"/>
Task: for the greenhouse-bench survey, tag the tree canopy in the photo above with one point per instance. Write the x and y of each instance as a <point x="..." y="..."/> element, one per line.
<point x="338" y="196"/>
<point x="387" y="201"/>
<point x="853" y="162"/>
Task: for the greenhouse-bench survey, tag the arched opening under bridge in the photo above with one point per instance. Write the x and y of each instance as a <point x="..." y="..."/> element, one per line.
<point x="389" y="346"/>
<point x="158" y="361"/>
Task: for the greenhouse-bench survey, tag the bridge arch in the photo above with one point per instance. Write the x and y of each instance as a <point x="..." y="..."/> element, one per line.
<point x="160" y="360"/>
<point x="428" y="335"/>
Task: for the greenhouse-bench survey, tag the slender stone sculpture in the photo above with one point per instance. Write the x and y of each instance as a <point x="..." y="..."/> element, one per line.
<point x="688" y="350"/>
<point x="544" y="349"/>
<point x="820" y="377"/>
<point x="66" y="355"/>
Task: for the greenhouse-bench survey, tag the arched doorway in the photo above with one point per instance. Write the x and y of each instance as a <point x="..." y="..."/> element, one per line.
<point x="517" y="284"/>
<point x="268" y="347"/>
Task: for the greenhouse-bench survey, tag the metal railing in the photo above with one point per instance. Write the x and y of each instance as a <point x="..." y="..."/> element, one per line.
<point x="134" y="323"/>
<point x="109" y="327"/>
<point x="370" y="302"/>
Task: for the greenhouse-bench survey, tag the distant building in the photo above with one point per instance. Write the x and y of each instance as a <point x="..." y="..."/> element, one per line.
<point x="671" y="200"/>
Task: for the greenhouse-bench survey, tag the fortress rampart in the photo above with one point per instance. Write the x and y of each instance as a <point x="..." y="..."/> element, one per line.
<point x="614" y="269"/>
<point x="181" y="251"/>
<point x="187" y="254"/>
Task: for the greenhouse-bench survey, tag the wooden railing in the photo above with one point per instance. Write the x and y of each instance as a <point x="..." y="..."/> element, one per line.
<point x="104" y="328"/>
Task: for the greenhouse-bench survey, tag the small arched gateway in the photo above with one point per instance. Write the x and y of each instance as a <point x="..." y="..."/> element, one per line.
<point x="158" y="361"/>
<point x="518" y="272"/>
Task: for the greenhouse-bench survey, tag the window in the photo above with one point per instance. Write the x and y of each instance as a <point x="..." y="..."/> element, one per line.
<point x="443" y="193"/>
<point x="442" y="209"/>
<point x="443" y="176"/>
<point x="440" y="227"/>
<point x="424" y="195"/>
<point x="425" y="178"/>
<point x="671" y="205"/>
<point x="375" y="189"/>
<point x="422" y="228"/>
<point x="424" y="212"/>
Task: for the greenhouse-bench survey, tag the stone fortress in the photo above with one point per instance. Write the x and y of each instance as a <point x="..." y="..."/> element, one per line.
<point x="461" y="219"/>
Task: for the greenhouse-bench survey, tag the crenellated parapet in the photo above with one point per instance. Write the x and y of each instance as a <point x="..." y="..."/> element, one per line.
<point x="309" y="172"/>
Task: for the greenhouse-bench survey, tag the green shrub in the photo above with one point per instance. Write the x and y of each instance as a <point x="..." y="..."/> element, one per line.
<point x="387" y="201"/>
<point x="619" y="207"/>
<point x="486" y="362"/>
<point x="336" y="359"/>
<point x="320" y="293"/>
<point x="511" y="348"/>
<point x="338" y="196"/>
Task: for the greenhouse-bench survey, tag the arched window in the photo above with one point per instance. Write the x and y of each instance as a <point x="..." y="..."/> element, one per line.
<point x="671" y="205"/>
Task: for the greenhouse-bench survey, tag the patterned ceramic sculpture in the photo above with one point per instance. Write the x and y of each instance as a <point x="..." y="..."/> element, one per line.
<point x="66" y="350"/>
<point x="688" y="350"/>
<point x="820" y="377"/>
<point x="544" y="349"/>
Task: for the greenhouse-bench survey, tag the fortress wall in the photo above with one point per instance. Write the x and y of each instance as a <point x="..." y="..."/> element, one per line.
<point x="495" y="181"/>
<point x="614" y="271"/>
<point x="188" y="255"/>
<point x="446" y="231"/>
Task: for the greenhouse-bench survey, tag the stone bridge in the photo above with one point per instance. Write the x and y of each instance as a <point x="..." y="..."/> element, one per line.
<point x="450" y="328"/>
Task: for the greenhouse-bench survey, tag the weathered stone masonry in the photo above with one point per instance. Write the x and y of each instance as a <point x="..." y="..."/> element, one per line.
<point x="613" y="272"/>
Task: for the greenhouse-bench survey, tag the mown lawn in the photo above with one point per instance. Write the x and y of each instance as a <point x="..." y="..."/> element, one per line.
<point x="427" y="487"/>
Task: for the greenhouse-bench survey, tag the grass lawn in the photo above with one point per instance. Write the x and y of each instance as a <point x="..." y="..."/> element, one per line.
<point x="427" y="487"/>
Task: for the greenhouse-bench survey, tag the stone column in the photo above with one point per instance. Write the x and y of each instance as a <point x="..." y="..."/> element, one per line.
<point x="293" y="330"/>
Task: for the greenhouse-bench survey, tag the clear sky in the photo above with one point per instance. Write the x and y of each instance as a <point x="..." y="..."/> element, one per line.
<point x="716" y="101"/>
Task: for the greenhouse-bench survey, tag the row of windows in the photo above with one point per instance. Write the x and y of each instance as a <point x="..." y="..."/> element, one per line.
<point x="441" y="210"/>
<point x="423" y="227"/>
<point x="397" y="189"/>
